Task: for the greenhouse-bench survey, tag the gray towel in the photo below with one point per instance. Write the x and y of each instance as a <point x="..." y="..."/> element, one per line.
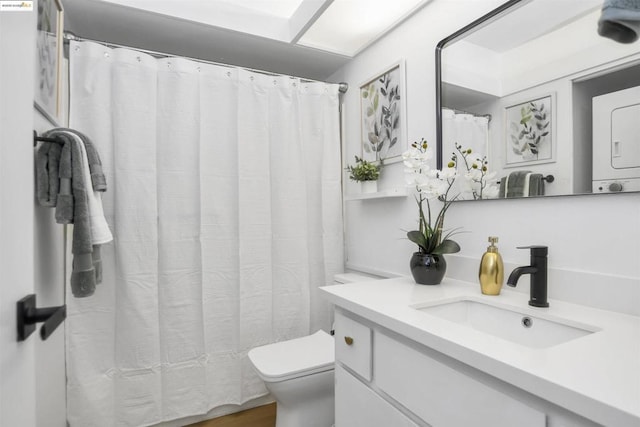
<point x="536" y="184"/>
<point x="72" y="207"/>
<point x="47" y="179"/>
<point x="517" y="181"/>
<point x="98" y="180"/>
<point x="64" y="205"/>
<point x="620" y="20"/>
<point x="503" y="186"/>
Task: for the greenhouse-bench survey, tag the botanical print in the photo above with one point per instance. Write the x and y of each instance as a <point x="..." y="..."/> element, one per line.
<point x="382" y="115"/>
<point x="529" y="136"/>
<point x="47" y="56"/>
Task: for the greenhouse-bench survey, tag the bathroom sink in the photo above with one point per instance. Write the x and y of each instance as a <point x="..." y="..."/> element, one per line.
<point x="508" y="323"/>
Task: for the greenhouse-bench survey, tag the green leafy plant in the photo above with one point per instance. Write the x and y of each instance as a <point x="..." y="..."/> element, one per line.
<point x="430" y="184"/>
<point x="363" y="170"/>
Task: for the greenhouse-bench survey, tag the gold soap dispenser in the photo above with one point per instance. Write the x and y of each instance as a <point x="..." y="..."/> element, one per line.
<point x="491" y="273"/>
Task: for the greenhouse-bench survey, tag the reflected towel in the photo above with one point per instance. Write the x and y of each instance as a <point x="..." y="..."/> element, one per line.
<point x="620" y="20"/>
<point x="536" y="184"/>
<point x="521" y="184"/>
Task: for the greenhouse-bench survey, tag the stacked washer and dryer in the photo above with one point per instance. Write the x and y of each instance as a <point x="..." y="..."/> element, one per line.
<point x="616" y="141"/>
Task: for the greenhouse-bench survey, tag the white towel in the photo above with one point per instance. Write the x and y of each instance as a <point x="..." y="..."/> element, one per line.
<point x="100" y="232"/>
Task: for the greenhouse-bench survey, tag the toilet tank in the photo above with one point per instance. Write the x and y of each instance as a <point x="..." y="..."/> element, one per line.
<point x="343" y="278"/>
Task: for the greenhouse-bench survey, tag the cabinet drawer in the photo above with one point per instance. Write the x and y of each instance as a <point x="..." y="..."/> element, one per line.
<point x="353" y="345"/>
<point x="440" y="394"/>
<point x="358" y="406"/>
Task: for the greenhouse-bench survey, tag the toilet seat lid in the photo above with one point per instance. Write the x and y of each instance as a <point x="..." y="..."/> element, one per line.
<point x="294" y="358"/>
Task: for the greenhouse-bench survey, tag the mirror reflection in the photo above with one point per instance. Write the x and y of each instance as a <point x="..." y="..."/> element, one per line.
<point x="541" y="101"/>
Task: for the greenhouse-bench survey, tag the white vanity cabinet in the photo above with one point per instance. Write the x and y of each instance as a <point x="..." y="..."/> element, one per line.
<point x="383" y="380"/>
<point x="397" y="362"/>
<point x="441" y="395"/>
<point x="359" y="406"/>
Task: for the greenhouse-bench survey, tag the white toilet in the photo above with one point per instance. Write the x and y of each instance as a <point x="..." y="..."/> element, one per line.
<point x="299" y="374"/>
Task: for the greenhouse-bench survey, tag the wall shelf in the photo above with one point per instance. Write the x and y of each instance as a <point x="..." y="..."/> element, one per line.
<point x="392" y="192"/>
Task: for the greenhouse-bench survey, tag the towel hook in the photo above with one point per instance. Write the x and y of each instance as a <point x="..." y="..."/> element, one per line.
<point x="548" y="178"/>
<point x="28" y="315"/>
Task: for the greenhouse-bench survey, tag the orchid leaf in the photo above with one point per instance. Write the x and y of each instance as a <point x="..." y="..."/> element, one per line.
<point x="418" y="238"/>
<point x="446" y="247"/>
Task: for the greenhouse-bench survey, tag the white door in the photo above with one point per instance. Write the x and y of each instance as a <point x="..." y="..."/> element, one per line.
<point x="17" y="360"/>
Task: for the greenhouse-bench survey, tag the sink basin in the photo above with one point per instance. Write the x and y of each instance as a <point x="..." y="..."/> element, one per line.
<point x="520" y="327"/>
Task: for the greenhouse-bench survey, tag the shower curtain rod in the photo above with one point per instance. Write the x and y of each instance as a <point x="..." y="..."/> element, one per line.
<point x="68" y="36"/>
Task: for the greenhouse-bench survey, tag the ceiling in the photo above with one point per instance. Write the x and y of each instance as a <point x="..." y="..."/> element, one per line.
<point x="305" y="38"/>
<point x="530" y="21"/>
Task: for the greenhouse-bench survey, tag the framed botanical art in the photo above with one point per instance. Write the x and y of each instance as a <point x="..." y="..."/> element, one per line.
<point x="530" y="132"/>
<point x="383" y="115"/>
<point x="49" y="57"/>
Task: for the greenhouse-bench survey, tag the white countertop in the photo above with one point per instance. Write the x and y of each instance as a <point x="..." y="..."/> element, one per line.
<point x="596" y="376"/>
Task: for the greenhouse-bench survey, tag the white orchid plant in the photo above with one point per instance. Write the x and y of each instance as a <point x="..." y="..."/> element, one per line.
<point x="430" y="184"/>
<point x="478" y="181"/>
<point x="445" y="186"/>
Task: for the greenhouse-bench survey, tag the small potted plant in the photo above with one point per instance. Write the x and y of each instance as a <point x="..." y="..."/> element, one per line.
<point x="366" y="173"/>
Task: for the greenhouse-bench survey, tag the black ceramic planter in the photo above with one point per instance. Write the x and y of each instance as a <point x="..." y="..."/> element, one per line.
<point x="428" y="269"/>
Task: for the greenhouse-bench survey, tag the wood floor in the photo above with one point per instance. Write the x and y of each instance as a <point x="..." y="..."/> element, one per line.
<point x="262" y="416"/>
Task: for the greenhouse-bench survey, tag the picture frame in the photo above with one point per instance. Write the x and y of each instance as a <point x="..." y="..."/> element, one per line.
<point x="49" y="56"/>
<point x="530" y="132"/>
<point x="383" y="115"/>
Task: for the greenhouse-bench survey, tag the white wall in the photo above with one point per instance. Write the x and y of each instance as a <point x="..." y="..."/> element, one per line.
<point x="17" y="360"/>
<point x="594" y="240"/>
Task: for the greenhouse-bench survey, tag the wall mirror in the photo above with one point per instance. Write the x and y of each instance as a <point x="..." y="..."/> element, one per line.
<point x="551" y="105"/>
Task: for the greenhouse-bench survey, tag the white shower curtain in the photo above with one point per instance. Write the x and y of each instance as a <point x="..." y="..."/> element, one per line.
<point x="468" y="130"/>
<point x="224" y="199"/>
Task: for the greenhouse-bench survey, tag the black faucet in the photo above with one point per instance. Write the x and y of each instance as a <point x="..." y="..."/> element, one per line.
<point x="538" y="271"/>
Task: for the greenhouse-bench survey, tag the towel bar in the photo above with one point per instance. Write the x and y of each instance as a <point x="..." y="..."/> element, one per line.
<point x="548" y="178"/>
<point x="37" y="138"/>
<point x="28" y="315"/>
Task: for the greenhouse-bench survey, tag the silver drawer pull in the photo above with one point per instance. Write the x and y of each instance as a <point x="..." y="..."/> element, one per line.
<point x="348" y="340"/>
